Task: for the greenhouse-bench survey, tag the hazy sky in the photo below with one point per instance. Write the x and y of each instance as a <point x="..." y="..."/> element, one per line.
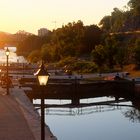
<point x="30" y="15"/>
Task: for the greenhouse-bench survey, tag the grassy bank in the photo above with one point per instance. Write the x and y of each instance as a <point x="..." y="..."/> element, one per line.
<point x="133" y="70"/>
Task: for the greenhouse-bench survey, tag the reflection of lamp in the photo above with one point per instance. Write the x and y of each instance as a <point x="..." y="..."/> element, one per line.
<point x="42" y="76"/>
<point x="7" y="52"/>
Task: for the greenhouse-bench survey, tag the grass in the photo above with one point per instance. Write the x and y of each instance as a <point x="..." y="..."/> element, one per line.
<point x="133" y="70"/>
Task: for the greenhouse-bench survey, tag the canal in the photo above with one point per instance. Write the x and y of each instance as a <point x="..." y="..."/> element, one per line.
<point x="102" y="118"/>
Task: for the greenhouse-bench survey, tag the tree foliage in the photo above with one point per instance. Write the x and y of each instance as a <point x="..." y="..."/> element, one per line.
<point x="99" y="55"/>
<point x="30" y="44"/>
<point x="123" y="20"/>
<point x="105" y="23"/>
<point x="34" y="56"/>
<point x="134" y="6"/>
<point x="137" y="51"/>
<point x="110" y="54"/>
<point x="73" y="39"/>
<point x="92" y="37"/>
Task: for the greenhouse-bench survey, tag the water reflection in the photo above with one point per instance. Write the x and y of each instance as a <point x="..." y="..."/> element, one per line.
<point x="86" y="106"/>
<point x="103" y="118"/>
<point x="133" y="115"/>
<point x="13" y="58"/>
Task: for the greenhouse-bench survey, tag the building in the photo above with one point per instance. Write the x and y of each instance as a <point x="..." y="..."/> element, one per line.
<point x="43" y="31"/>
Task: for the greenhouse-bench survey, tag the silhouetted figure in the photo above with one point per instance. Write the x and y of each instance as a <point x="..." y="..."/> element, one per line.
<point x="117" y="77"/>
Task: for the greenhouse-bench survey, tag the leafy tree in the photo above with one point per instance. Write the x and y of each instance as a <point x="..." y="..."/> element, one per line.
<point x="121" y="56"/>
<point x="105" y="23"/>
<point x="117" y="20"/>
<point x="111" y="50"/>
<point x="46" y="53"/>
<point x="34" y="56"/>
<point x="91" y="38"/>
<point x="134" y="6"/>
<point x="49" y="53"/>
<point x="123" y="20"/>
<point x="29" y="44"/>
<point x="137" y="51"/>
<point x="99" y="55"/>
<point x="110" y="54"/>
<point x="68" y="38"/>
<point x="75" y="39"/>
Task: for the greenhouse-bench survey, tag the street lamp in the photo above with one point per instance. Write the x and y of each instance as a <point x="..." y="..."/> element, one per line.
<point x="0" y="77"/>
<point x="7" y="52"/>
<point x="42" y="77"/>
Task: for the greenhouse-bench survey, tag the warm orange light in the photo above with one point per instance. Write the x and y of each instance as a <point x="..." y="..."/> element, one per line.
<point x="42" y="75"/>
<point x="43" y="80"/>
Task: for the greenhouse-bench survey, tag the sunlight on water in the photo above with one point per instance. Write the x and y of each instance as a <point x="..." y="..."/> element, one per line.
<point x="13" y="58"/>
<point x="37" y="101"/>
<point x="90" y="100"/>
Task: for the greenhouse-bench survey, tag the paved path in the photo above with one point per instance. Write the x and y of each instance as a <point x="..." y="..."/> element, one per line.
<point x="13" y="125"/>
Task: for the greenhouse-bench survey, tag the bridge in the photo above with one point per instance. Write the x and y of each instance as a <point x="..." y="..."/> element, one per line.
<point x="77" y="90"/>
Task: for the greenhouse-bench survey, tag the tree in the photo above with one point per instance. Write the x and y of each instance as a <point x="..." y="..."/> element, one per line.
<point x="68" y="38"/>
<point x="99" y="56"/>
<point x="92" y="37"/>
<point x="110" y="54"/>
<point x="134" y="6"/>
<point x="46" y="53"/>
<point x="111" y="51"/>
<point x="121" y="56"/>
<point x="137" y="51"/>
<point x="29" y="44"/>
<point x="105" y="23"/>
<point x="123" y="20"/>
<point x="34" y="56"/>
<point x="117" y="20"/>
<point x="49" y="53"/>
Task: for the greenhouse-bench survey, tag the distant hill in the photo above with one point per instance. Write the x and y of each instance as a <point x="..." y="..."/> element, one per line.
<point x="12" y="39"/>
<point x="4" y="35"/>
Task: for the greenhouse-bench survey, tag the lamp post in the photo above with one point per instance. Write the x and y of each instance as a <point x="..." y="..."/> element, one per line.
<point x="0" y="78"/>
<point x="7" y="52"/>
<point x="42" y="77"/>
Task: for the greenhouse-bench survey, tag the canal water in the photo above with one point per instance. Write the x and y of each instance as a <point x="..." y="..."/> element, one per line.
<point x="13" y="57"/>
<point x="102" y="118"/>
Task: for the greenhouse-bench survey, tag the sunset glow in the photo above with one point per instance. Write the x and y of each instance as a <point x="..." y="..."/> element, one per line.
<point x="30" y="15"/>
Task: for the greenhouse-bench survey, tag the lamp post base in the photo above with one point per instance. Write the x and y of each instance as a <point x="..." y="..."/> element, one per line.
<point x="42" y="120"/>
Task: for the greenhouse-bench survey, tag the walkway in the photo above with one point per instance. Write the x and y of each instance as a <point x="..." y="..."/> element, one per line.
<point x="13" y="125"/>
<point x="18" y="118"/>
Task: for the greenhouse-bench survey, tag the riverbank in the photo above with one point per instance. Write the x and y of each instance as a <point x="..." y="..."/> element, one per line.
<point x="133" y="70"/>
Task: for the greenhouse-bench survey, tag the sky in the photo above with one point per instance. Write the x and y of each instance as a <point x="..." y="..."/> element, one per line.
<point x="31" y="15"/>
